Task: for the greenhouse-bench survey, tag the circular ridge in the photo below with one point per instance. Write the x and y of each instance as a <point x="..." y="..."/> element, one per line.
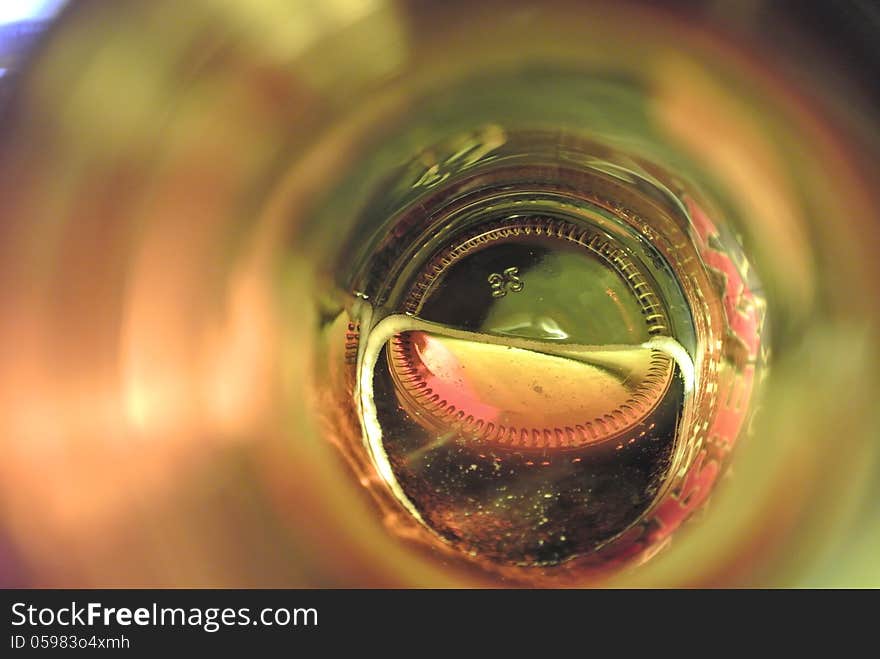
<point x="436" y="407"/>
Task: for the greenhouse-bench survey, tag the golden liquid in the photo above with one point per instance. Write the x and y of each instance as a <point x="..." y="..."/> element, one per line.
<point x="575" y="395"/>
<point x="534" y="366"/>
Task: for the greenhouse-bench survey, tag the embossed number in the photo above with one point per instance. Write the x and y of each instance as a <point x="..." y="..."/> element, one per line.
<point x="508" y="282"/>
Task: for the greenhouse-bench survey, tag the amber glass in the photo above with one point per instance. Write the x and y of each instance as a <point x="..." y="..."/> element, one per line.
<point x="628" y="248"/>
